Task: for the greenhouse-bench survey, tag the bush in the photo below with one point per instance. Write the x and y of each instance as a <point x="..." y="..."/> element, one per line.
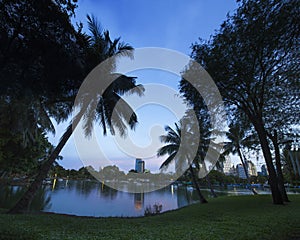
<point x="150" y="211"/>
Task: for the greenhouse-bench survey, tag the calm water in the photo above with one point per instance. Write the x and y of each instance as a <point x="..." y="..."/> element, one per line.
<point x="85" y="198"/>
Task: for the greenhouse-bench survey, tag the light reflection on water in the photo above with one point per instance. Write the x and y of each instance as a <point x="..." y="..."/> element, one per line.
<point x="85" y="198"/>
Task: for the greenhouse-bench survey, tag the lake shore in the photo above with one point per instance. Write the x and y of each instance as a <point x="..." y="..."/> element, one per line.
<point x="238" y="217"/>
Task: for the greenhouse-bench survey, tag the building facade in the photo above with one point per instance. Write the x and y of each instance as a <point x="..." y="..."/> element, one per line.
<point x="250" y="168"/>
<point x="227" y="165"/>
<point x="241" y="171"/>
<point x="264" y="170"/>
<point x="139" y="165"/>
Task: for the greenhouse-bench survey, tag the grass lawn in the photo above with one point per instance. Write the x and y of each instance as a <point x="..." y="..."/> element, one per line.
<point x="240" y="217"/>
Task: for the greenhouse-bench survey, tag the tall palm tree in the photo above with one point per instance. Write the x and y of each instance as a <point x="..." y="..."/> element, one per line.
<point x="236" y="138"/>
<point x="206" y="138"/>
<point x="100" y="107"/>
<point x="178" y="147"/>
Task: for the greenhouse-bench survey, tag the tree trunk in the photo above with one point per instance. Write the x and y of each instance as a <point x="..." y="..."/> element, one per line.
<point x="246" y="170"/>
<point x="212" y="191"/>
<point x="281" y="187"/>
<point x="25" y="201"/>
<point x="276" y="195"/>
<point x="201" y="197"/>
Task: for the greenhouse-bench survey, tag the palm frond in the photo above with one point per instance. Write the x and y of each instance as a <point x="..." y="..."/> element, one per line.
<point x="167" y="149"/>
<point x="168" y="161"/>
<point x="94" y="27"/>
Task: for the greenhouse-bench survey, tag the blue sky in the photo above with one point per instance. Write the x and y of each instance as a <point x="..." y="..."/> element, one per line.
<point x="172" y="24"/>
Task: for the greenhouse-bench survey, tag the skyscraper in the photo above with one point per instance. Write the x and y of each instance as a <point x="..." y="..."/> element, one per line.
<point x="264" y="170"/>
<point x="241" y="171"/>
<point x="139" y="165"/>
<point x="227" y="165"/>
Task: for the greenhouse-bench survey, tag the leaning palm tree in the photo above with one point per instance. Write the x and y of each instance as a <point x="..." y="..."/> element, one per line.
<point x="236" y="138"/>
<point x="178" y="147"/>
<point x="206" y="140"/>
<point x="106" y="105"/>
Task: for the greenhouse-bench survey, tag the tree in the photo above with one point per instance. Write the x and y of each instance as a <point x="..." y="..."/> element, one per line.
<point x="205" y="139"/>
<point x="179" y="148"/>
<point x="105" y="101"/>
<point x="254" y="49"/>
<point x="38" y="51"/>
<point x="275" y="141"/>
<point x="238" y="140"/>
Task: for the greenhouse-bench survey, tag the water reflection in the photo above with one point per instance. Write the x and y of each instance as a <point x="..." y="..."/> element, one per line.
<point x="108" y="192"/>
<point x="11" y="194"/>
<point x="91" y="198"/>
<point x="139" y="201"/>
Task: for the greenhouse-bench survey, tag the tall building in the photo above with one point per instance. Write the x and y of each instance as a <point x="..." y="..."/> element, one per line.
<point x="139" y="165"/>
<point x="251" y="169"/>
<point x="233" y="171"/>
<point x="227" y="165"/>
<point x="264" y="170"/>
<point x="241" y="172"/>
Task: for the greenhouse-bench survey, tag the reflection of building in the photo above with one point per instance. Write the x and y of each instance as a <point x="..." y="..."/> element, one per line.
<point x="139" y="165"/>
<point x="138" y="201"/>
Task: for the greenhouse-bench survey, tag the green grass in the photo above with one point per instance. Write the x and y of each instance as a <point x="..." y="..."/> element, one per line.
<point x="241" y="217"/>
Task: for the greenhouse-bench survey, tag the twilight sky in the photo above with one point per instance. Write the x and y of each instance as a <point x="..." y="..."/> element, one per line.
<point x="172" y="24"/>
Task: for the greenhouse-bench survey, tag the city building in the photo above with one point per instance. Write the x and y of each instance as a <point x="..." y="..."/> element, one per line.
<point x="251" y="169"/>
<point x="227" y="165"/>
<point x="233" y="171"/>
<point x="139" y="165"/>
<point x="240" y="171"/>
<point x="264" y="170"/>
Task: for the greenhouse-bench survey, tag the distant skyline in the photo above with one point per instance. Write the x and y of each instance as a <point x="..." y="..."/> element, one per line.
<point x="169" y="24"/>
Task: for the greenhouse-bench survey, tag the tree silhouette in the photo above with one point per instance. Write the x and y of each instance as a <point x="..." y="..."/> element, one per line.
<point x="178" y="147"/>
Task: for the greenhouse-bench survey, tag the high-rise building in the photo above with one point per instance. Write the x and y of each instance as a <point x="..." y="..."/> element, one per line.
<point x="251" y="169"/>
<point x="139" y="165"/>
<point x="227" y="165"/>
<point x="241" y="172"/>
<point x="264" y="170"/>
<point x="233" y="171"/>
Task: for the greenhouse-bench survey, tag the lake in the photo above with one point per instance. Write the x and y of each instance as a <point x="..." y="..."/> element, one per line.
<point x="91" y="198"/>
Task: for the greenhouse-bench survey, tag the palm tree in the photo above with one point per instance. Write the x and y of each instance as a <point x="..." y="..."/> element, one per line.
<point x="205" y="139"/>
<point x="179" y="147"/>
<point x="236" y="138"/>
<point x="108" y="102"/>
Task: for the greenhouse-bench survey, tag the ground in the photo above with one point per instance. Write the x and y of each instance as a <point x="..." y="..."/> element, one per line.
<point x="238" y="217"/>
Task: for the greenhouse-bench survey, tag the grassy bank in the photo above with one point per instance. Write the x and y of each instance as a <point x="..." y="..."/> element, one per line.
<point x="241" y="217"/>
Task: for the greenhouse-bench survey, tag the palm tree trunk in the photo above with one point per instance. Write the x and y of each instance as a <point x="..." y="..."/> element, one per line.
<point x="201" y="197"/>
<point x="246" y="170"/>
<point x="25" y="201"/>
<point x="281" y="187"/>
<point x="212" y="191"/>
